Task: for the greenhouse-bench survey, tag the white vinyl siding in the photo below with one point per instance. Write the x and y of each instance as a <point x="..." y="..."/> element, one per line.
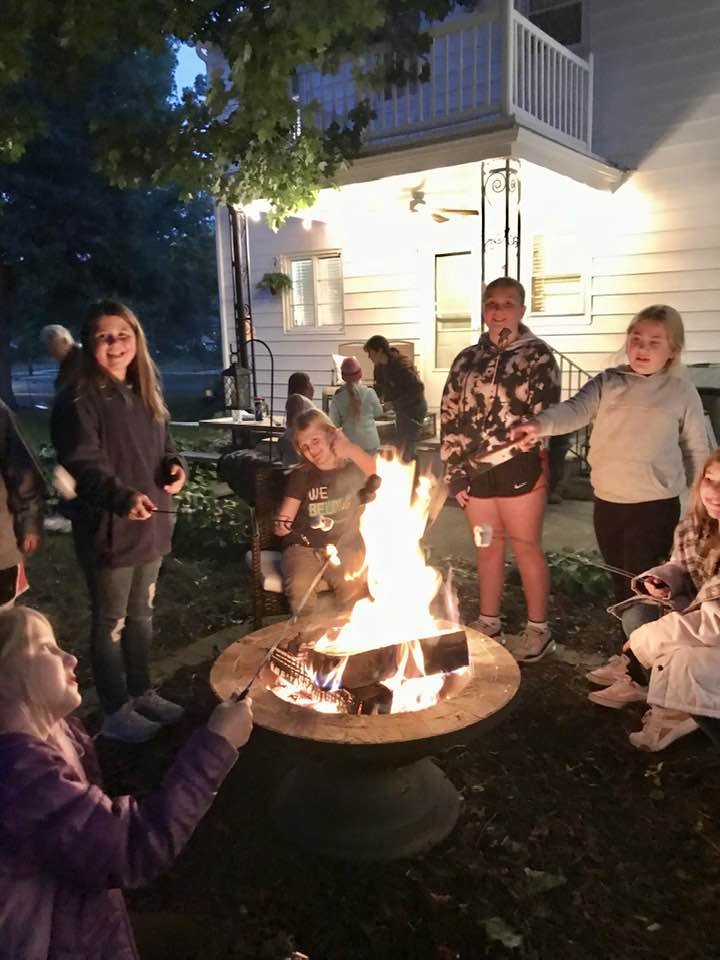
<point x="316" y="298"/>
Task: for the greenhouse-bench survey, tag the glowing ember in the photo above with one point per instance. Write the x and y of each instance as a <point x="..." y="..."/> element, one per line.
<point x="397" y="614"/>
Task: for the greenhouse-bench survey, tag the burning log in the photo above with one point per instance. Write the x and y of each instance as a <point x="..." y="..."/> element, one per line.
<point x="441" y="653"/>
<point x="356" y="680"/>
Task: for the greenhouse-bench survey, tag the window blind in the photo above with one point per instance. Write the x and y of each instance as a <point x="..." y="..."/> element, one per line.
<point x="557" y="279"/>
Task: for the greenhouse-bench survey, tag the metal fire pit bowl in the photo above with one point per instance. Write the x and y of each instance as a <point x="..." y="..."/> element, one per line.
<point x="364" y="788"/>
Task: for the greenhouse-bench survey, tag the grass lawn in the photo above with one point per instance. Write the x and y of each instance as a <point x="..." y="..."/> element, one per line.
<point x="197" y="595"/>
<point x="35" y="425"/>
<point x="571" y="845"/>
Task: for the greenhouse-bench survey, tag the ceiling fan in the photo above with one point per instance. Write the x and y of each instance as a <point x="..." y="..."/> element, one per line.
<point x="418" y="203"/>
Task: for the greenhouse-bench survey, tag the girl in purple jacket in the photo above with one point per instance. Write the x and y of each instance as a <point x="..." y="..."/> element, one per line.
<point x="66" y="848"/>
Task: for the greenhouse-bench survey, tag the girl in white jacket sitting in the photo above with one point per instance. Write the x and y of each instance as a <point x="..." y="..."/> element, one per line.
<point x="682" y="648"/>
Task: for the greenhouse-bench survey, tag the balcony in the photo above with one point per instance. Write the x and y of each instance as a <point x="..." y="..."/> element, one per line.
<point x="486" y="68"/>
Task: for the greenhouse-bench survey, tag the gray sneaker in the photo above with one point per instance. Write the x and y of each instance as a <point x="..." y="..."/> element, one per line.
<point x="128" y="726"/>
<point x="152" y="705"/>
<point x="531" y="645"/>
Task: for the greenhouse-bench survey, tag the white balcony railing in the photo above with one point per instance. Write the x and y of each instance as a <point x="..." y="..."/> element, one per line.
<point x="483" y="68"/>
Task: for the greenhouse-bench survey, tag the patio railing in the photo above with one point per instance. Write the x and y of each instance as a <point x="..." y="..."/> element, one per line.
<point x="572" y="377"/>
<point x="482" y="68"/>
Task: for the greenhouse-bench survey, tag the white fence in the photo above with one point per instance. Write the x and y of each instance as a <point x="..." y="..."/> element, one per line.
<point x="482" y="67"/>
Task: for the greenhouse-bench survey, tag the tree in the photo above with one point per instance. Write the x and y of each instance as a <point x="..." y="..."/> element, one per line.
<point x="67" y="236"/>
<point x="237" y="140"/>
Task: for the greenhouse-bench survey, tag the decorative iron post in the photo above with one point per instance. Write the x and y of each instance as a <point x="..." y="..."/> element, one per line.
<point x="500" y="222"/>
<point x="242" y="299"/>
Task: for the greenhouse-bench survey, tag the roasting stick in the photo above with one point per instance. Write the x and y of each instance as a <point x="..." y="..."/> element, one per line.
<point x="66" y="487"/>
<point x="332" y="558"/>
<point x="484" y="534"/>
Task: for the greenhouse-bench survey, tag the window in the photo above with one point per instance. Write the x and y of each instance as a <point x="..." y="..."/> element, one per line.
<point x="558" y="284"/>
<point x="454" y="283"/>
<point x="561" y="19"/>
<point x="315" y="301"/>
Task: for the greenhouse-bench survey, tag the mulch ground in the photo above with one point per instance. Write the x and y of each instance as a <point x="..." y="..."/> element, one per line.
<point x="570" y="843"/>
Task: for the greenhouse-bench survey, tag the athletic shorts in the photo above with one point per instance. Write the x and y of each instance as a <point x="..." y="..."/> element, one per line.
<point x="513" y="478"/>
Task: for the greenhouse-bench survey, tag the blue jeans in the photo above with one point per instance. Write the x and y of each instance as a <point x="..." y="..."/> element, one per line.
<point x="638" y="614"/>
<point x="121" y="601"/>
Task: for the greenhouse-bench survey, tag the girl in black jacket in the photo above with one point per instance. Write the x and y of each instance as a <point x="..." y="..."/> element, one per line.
<point x="110" y="430"/>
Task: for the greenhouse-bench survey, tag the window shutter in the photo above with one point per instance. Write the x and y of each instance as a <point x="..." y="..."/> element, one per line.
<point x="329" y="292"/>
<point x="303" y="293"/>
<point x="557" y="280"/>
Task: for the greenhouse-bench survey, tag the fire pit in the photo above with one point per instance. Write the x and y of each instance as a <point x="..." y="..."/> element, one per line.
<point x="363" y="787"/>
<point x="363" y="700"/>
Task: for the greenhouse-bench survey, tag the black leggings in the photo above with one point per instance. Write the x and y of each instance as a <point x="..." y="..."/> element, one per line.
<point x="634" y="536"/>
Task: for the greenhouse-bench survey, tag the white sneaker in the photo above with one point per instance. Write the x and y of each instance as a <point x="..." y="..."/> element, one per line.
<point x="152" y="705"/>
<point x="531" y="645"/>
<point x="128" y="726"/>
<point x="608" y="673"/>
<point x="661" y="727"/>
<point x="620" y="693"/>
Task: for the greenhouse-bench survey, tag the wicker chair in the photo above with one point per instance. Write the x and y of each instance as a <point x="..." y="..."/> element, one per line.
<point x="263" y="558"/>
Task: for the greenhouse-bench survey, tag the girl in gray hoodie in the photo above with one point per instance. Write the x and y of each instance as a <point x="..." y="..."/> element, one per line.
<point x="648" y="443"/>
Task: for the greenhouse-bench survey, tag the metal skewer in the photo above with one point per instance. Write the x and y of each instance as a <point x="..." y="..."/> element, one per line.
<point x="332" y="558"/>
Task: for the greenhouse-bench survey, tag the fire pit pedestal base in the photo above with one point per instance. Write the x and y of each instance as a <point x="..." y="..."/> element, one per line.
<point x="366" y="814"/>
<point x="364" y="787"/>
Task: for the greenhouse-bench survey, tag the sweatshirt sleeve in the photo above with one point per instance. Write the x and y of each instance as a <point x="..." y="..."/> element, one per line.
<point x="375" y="405"/>
<point x="171" y="453"/>
<point x="545" y="383"/>
<point x="26" y="489"/>
<point x="451" y="440"/>
<point x="693" y="436"/>
<point x="700" y="627"/>
<point x="75" y="429"/>
<point x="97" y="843"/>
<point x="575" y="413"/>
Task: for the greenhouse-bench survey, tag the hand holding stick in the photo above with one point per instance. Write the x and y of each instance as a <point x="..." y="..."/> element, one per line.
<point x="332" y="558"/>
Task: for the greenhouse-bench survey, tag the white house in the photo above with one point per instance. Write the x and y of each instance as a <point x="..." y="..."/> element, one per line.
<point x="587" y="170"/>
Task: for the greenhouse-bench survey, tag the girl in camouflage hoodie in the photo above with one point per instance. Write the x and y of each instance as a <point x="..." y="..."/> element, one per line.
<point x="508" y="374"/>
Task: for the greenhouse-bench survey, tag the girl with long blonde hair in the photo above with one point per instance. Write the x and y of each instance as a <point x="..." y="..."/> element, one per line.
<point x="355" y="407"/>
<point x="672" y="660"/>
<point x="110" y="430"/>
<point x="66" y="848"/>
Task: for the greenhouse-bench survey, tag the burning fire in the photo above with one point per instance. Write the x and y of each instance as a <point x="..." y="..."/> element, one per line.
<point x="402" y="589"/>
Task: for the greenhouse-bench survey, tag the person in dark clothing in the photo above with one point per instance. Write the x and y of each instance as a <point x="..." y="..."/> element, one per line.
<point x="22" y="507"/>
<point x="111" y="434"/>
<point x="66" y="848"/>
<point x="321" y="507"/>
<point x="557" y="452"/>
<point x="59" y="343"/>
<point x="398" y="382"/>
